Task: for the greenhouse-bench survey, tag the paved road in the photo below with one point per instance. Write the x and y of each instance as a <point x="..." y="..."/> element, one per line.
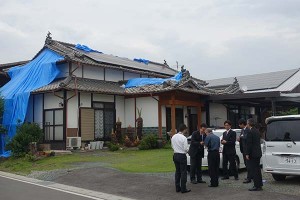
<point x="15" y="187"/>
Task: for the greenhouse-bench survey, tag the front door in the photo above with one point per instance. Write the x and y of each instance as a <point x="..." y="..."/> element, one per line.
<point x="104" y="120"/>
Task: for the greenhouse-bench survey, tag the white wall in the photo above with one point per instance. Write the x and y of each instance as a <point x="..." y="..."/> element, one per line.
<point x="129" y="112"/>
<point x="128" y="75"/>
<point x="38" y="109"/>
<point x="120" y="109"/>
<point x="149" y="110"/>
<point x="217" y="111"/>
<point x="103" y="97"/>
<point x="51" y="101"/>
<point x="78" y="70"/>
<point x="85" y="99"/>
<point x="113" y="75"/>
<point x="93" y="72"/>
<point x="72" y="110"/>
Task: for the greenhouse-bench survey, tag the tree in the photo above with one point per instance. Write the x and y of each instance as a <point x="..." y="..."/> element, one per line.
<point x="2" y="130"/>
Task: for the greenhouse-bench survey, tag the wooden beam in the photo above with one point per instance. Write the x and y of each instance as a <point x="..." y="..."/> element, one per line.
<point x="173" y="116"/>
<point x="181" y="103"/>
<point x="159" y="121"/>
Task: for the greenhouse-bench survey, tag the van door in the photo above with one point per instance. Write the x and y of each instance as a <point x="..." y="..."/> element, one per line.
<point x="282" y="147"/>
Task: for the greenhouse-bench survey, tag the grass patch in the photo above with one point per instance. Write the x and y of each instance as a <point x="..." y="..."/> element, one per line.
<point x="137" y="161"/>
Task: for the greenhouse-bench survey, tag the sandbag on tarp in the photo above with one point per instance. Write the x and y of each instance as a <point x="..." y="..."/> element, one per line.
<point x="37" y="73"/>
<point x="137" y="82"/>
<point x="85" y="48"/>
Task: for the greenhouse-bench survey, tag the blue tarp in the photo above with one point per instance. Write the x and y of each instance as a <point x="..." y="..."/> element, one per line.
<point x="85" y="48"/>
<point x="136" y="82"/>
<point x="141" y="60"/>
<point x="39" y="72"/>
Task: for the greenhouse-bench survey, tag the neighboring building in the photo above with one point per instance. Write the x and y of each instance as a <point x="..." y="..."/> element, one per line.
<point x="87" y="98"/>
<point x="264" y="95"/>
<point x="4" y="78"/>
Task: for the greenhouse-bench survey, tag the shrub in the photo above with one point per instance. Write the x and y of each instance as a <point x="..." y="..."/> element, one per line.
<point x="26" y="134"/>
<point x="149" y="142"/>
<point x="167" y="145"/>
<point x="2" y="129"/>
<point x="113" y="147"/>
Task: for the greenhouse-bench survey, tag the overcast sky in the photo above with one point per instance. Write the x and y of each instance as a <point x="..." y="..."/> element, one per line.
<point x="213" y="39"/>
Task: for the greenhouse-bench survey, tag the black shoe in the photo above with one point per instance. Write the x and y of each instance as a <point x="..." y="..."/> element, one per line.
<point x="178" y="190"/>
<point x="201" y="181"/>
<point x="224" y="178"/>
<point x="185" y="191"/>
<point x="247" y="181"/>
<point x="194" y="182"/>
<point x="236" y="178"/>
<point x="255" y="189"/>
<point x="212" y="185"/>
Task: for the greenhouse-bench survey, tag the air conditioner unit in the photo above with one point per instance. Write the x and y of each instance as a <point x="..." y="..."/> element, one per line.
<point x="73" y="142"/>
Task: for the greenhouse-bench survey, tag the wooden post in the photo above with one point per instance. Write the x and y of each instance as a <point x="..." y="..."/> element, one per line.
<point x="159" y="121"/>
<point x="173" y="115"/>
<point x="199" y="115"/>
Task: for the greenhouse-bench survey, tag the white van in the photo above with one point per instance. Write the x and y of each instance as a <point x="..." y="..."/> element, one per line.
<point x="281" y="149"/>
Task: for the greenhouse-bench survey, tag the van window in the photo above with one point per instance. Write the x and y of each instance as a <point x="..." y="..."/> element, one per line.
<point x="283" y="130"/>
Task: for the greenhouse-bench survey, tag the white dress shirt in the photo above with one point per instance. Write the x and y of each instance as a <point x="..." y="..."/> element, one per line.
<point x="179" y="143"/>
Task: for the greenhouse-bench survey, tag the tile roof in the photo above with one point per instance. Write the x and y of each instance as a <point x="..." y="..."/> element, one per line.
<point x="255" y="82"/>
<point x="109" y="61"/>
<point x="187" y="84"/>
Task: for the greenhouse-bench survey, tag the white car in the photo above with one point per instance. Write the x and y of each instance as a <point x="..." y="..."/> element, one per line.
<point x="219" y="132"/>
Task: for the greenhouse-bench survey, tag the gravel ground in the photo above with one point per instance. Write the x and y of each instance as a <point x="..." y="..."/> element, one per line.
<point x="290" y="186"/>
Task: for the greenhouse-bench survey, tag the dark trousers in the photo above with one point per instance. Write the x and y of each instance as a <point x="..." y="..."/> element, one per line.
<point x="254" y="164"/>
<point x="181" y="172"/>
<point x="232" y="166"/>
<point x="196" y="168"/>
<point x="249" y="175"/>
<point x="213" y="159"/>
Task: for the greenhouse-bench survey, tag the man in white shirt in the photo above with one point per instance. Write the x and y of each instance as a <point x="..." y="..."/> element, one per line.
<point x="180" y="147"/>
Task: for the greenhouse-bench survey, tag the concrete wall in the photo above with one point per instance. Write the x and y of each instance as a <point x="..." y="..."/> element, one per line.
<point x="129" y="112"/>
<point x="113" y="75"/>
<point x="72" y="110"/>
<point x="128" y="75"/>
<point x="103" y="98"/>
<point x="120" y="109"/>
<point x="85" y="99"/>
<point x="218" y="114"/>
<point x="51" y="101"/>
<point x="149" y="111"/>
<point x="93" y="72"/>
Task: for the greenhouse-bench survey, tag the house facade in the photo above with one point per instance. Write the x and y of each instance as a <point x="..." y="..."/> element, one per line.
<point x="88" y="97"/>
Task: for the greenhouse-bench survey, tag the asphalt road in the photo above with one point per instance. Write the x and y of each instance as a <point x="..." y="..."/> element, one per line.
<point x="15" y="190"/>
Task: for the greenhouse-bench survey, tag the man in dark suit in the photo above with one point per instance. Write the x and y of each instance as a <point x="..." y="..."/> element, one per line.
<point x="229" y="153"/>
<point x="196" y="153"/>
<point x="243" y="145"/>
<point x="253" y="155"/>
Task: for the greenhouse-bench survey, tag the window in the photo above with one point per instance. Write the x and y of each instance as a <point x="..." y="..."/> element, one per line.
<point x="53" y="127"/>
<point x="283" y="130"/>
<point x="104" y="119"/>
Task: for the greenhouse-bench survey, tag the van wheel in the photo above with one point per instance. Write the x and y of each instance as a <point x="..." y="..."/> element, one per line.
<point x="279" y="177"/>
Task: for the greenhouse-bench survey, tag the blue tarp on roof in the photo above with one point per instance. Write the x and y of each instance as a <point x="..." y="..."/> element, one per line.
<point x="39" y="72"/>
<point x="85" y="48"/>
<point x="137" y="82"/>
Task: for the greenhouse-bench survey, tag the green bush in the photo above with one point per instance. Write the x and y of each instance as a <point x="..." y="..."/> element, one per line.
<point x="2" y="129"/>
<point x="26" y="134"/>
<point x="149" y="142"/>
<point x="112" y="147"/>
<point x="167" y="145"/>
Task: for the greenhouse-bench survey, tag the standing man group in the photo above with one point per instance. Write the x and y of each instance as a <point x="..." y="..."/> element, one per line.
<point x="212" y="142"/>
<point x="243" y="147"/>
<point x="180" y="147"/>
<point x="229" y="152"/>
<point x="196" y="153"/>
<point x="253" y="155"/>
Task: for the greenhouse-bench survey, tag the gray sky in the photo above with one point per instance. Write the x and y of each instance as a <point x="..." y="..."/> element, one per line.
<point x="213" y="39"/>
